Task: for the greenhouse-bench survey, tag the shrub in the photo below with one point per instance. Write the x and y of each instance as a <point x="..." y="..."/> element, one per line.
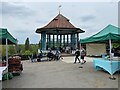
<point x="27" y="52"/>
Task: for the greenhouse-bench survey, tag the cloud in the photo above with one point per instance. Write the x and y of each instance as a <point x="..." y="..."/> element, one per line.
<point x="119" y="14"/>
<point x="22" y="18"/>
<point x="21" y="31"/>
<point x="87" y="18"/>
<point x="89" y="32"/>
<point x="14" y="9"/>
<point x="41" y="21"/>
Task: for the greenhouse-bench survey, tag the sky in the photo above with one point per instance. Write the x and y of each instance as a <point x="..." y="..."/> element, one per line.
<point x="22" y="18"/>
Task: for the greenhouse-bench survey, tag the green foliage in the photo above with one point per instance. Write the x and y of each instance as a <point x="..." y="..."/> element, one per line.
<point x="34" y="48"/>
<point x="27" y="52"/>
<point x="21" y="48"/>
<point x="27" y="46"/>
<point x="28" y="49"/>
<point x="3" y="50"/>
<point x="11" y="50"/>
<point x="116" y="45"/>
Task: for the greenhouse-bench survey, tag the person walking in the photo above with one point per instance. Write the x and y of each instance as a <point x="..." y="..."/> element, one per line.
<point x="83" y="54"/>
<point x="77" y="54"/>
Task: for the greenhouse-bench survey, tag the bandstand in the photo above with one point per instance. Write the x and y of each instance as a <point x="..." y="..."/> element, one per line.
<point x="59" y="33"/>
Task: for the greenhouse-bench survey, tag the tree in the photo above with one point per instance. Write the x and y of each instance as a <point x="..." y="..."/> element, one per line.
<point x="27" y="52"/>
<point x="34" y="48"/>
<point x="21" y="48"/>
<point x="27" y="45"/>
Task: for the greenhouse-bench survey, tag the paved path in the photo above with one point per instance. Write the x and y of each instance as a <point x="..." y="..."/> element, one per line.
<point x="61" y="74"/>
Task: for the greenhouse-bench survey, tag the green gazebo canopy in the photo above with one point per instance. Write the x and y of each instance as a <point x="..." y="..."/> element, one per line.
<point x="108" y="33"/>
<point x="4" y="34"/>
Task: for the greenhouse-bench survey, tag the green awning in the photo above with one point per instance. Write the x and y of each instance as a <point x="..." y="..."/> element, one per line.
<point x="108" y="33"/>
<point x="4" y="34"/>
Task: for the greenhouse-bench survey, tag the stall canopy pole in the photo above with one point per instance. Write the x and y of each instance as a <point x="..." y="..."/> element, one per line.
<point x="110" y="47"/>
<point x="7" y="56"/>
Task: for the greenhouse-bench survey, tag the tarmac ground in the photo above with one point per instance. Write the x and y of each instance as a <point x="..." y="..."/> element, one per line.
<point x="61" y="74"/>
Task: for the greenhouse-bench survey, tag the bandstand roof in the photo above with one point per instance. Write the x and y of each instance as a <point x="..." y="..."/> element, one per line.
<point x="61" y="25"/>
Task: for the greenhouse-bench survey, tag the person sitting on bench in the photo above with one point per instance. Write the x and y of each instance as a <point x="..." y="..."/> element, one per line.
<point x="39" y="56"/>
<point x="57" y="55"/>
<point x="34" y="57"/>
<point x="50" y="55"/>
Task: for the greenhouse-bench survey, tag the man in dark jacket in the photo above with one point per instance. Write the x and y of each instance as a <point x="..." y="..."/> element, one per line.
<point x="77" y="54"/>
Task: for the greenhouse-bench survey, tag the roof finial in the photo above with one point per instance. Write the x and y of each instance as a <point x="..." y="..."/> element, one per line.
<point x="59" y="8"/>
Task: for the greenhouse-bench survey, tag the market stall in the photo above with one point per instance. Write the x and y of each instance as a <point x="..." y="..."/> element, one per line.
<point x="109" y="34"/>
<point x="5" y="39"/>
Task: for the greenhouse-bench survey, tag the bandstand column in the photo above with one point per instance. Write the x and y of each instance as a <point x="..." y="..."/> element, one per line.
<point x="49" y="39"/>
<point x="57" y="40"/>
<point x="53" y="40"/>
<point x="74" y="41"/>
<point x="60" y="40"/>
<point x="64" y="40"/>
<point x="78" y="40"/>
<point x="71" y="41"/>
<point x="67" y="39"/>
<point x="43" y="41"/>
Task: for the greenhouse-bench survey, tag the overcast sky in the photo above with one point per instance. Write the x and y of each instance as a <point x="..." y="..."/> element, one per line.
<point x="23" y="18"/>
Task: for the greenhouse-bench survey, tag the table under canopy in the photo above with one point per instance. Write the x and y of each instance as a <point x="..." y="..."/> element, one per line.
<point x="111" y="66"/>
